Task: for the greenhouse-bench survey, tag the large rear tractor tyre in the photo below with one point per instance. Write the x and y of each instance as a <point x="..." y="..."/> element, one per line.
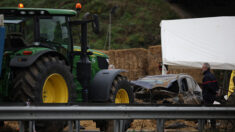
<point x="120" y="93"/>
<point x="48" y="80"/>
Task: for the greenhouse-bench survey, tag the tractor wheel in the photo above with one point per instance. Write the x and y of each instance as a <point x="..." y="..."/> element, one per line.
<point x="121" y="93"/>
<point x="48" y="80"/>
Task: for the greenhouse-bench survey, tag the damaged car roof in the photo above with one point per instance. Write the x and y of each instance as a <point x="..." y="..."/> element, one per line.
<point x="151" y="82"/>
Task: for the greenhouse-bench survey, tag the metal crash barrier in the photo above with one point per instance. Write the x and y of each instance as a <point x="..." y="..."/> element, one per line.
<point x="118" y="113"/>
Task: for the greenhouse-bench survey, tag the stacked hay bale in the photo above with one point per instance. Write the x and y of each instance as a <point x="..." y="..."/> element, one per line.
<point x="154" y="59"/>
<point x="133" y="60"/>
<point x="141" y="62"/>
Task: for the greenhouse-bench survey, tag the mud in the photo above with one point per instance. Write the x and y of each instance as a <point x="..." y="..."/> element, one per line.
<point x="10" y="126"/>
<point x="87" y="125"/>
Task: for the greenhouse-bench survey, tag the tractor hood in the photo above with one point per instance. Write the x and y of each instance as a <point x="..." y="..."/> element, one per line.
<point x="95" y="52"/>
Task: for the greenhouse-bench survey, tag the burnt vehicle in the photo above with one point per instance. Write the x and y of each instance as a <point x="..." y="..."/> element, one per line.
<point x="167" y="89"/>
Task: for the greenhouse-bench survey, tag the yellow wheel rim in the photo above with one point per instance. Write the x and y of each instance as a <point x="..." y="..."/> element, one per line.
<point x="55" y="89"/>
<point x="122" y="97"/>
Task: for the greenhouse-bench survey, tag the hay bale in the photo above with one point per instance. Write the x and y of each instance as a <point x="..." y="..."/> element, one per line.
<point x="141" y="62"/>
<point x="154" y="59"/>
<point x="134" y="60"/>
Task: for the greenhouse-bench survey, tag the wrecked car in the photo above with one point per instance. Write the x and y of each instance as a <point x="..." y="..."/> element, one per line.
<point x="167" y="89"/>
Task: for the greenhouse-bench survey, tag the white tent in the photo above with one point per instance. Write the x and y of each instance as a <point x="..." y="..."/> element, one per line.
<point x="191" y="42"/>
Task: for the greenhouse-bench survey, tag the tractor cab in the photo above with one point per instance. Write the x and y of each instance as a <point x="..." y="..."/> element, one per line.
<point x="28" y="27"/>
<point x="20" y="31"/>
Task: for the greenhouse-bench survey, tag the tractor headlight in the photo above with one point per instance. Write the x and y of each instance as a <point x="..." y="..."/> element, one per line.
<point x="42" y="12"/>
<point x="31" y="13"/>
<point x="23" y="12"/>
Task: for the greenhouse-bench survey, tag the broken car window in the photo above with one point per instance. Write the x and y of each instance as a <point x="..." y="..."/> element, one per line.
<point x="191" y="84"/>
<point x="174" y="87"/>
<point x="184" y="85"/>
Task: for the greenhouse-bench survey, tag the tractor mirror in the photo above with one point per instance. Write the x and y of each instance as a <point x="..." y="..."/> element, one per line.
<point x="95" y="21"/>
<point x="95" y="24"/>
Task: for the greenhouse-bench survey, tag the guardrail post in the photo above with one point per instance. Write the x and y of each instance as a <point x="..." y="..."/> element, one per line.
<point x="77" y="123"/>
<point x="160" y="125"/>
<point x="70" y="124"/>
<point x="21" y="126"/>
<point x="30" y="126"/>
<point x="201" y="125"/>
<point x="121" y="126"/>
<point x="34" y="126"/>
<point x="116" y="125"/>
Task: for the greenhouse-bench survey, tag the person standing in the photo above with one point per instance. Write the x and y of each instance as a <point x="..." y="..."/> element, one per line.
<point x="209" y="88"/>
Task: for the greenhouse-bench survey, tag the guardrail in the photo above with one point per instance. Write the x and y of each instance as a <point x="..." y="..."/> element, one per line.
<point x="119" y="113"/>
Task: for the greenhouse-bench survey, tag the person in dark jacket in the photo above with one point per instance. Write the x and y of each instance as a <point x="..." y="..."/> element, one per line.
<point x="209" y="85"/>
<point x="209" y="88"/>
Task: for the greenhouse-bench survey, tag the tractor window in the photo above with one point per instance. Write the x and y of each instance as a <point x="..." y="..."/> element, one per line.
<point x="19" y="32"/>
<point x="54" y="30"/>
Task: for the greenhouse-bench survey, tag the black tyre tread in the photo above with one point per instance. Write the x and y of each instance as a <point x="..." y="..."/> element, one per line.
<point x="26" y="82"/>
<point x="118" y="82"/>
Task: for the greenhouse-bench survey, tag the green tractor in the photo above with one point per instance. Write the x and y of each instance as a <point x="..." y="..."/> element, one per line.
<point x="42" y="65"/>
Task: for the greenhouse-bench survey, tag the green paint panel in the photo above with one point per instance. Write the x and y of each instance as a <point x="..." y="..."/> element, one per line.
<point x="78" y="85"/>
<point x="95" y="52"/>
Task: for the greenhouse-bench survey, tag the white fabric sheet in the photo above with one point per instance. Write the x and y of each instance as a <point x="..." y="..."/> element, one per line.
<point x="191" y="42"/>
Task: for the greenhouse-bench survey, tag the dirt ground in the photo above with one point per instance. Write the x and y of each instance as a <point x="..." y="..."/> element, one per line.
<point x="13" y="126"/>
<point x="145" y="126"/>
<point x="88" y="125"/>
<point x="10" y="126"/>
<point x="150" y="125"/>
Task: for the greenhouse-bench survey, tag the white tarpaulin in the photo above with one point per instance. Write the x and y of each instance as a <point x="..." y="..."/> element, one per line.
<point x="191" y="42"/>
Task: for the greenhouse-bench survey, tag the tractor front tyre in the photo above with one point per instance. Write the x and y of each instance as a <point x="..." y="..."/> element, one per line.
<point x="120" y="93"/>
<point x="48" y="80"/>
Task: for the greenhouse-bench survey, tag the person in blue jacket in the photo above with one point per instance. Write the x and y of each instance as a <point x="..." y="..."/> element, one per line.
<point x="209" y="88"/>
